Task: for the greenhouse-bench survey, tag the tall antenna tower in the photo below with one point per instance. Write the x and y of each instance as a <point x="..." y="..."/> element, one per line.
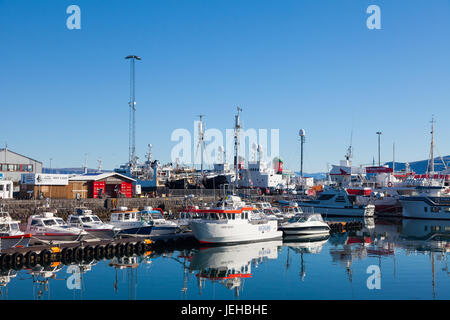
<point x="302" y="134"/>
<point x="201" y="142"/>
<point x="237" y="128"/>
<point x="132" y="118"/>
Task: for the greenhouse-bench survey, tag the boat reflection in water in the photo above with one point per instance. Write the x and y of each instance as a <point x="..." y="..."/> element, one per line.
<point x="41" y="276"/>
<point x="231" y="265"/>
<point x="301" y="244"/>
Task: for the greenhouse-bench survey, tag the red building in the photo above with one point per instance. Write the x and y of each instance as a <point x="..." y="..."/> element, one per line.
<point x="109" y="184"/>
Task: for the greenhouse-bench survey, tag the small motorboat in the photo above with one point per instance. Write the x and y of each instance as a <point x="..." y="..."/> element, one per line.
<point x="154" y="217"/>
<point x="129" y="222"/>
<point x="45" y="226"/>
<point x="10" y="234"/>
<point x="86" y="220"/>
<point x="305" y="224"/>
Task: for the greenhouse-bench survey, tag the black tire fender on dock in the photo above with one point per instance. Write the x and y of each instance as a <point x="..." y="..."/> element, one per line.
<point x="120" y="248"/>
<point x="139" y="248"/>
<point x="31" y="258"/>
<point x="88" y="252"/>
<point x="67" y="255"/>
<point x="129" y="249"/>
<point x="109" y="251"/>
<point x="78" y="254"/>
<point x="5" y="260"/>
<point x="45" y="257"/>
<point x="99" y="252"/>
<point x="17" y="261"/>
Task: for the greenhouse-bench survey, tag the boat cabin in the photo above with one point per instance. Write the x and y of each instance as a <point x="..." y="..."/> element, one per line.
<point x="46" y="219"/>
<point x="124" y="215"/>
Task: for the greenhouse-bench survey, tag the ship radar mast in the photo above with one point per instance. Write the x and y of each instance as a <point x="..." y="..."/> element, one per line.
<point x="237" y="128"/>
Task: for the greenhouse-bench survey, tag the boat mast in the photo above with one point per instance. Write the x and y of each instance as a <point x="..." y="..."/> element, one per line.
<point x="132" y="118"/>
<point x="237" y="128"/>
<point x="432" y="146"/>
<point x="201" y="142"/>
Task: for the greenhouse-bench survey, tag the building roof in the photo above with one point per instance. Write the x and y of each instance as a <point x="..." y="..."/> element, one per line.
<point x="98" y="176"/>
<point x="8" y="150"/>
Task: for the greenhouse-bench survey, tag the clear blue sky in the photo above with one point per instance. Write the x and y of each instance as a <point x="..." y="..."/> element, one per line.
<point x="289" y="64"/>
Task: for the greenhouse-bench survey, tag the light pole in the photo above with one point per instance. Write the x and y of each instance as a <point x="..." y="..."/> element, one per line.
<point x="379" y="158"/>
<point x="132" y="104"/>
<point x="302" y="134"/>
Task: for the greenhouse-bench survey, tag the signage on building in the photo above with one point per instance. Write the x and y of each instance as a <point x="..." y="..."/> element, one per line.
<point x="1" y="176"/>
<point x="39" y="179"/>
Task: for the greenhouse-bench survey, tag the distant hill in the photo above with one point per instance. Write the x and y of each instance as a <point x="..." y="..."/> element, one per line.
<point x="316" y="176"/>
<point x="420" y="167"/>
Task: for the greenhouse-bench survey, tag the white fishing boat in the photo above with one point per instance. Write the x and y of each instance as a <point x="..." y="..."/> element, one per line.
<point x="10" y="234"/>
<point x="428" y="202"/>
<point x="161" y="226"/>
<point x="46" y="226"/>
<point x="129" y="222"/>
<point x="86" y="220"/>
<point x="305" y="224"/>
<point x="231" y="221"/>
<point x="337" y="202"/>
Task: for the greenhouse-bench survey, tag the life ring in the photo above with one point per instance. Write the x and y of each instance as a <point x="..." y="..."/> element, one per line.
<point x="390" y="184"/>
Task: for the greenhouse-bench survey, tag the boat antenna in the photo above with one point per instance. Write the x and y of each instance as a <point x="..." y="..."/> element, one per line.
<point x="237" y="128"/>
<point x="201" y="141"/>
<point x="132" y="118"/>
<point x="430" y="168"/>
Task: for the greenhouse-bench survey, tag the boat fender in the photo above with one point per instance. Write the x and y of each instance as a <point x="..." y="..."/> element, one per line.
<point x="78" y="254"/>
<point x="17" y="261"/>
<point x="129" y="249"/>
<point x="99" y="252"/>
<point x="67" y="255"/>
<point x="31" y="259"/>
<point x="140" y="248"/>
<point x="88" y="253"/>
<point x="45" y="257"/>
<point x="5" y="260"/>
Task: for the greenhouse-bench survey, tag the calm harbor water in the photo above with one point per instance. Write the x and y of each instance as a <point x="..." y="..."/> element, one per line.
<point x="410" y="255"/>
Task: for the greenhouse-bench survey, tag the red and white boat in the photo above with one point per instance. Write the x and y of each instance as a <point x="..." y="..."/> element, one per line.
<point x="46" y="226"/>
<point x="231" y="221"/>
<point x="10" y="234"/>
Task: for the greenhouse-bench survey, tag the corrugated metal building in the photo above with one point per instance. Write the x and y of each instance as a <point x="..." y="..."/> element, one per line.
<point x="13" y="165"/>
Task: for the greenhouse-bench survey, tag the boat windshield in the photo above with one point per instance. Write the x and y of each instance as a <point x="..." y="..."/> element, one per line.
<point x="86" y="219"/>
<point x="298" y="219"/>
<point x="96" y="219"/>
<point x="4" y="227"/>
<point x="49" y="222"/>
<point x="14" y="226"/>
<point x="60" y="221"/>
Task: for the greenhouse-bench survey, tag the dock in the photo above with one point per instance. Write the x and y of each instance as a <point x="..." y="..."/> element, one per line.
<point x="88" y="250"/>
